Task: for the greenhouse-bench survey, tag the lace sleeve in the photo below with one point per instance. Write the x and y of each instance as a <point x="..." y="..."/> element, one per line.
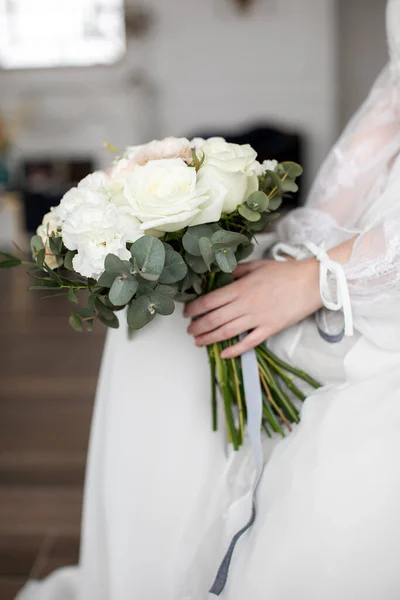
<point x="357" y="193"/>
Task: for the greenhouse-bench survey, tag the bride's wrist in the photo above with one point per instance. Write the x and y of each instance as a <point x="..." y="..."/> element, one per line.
<point x="309" y="282"/>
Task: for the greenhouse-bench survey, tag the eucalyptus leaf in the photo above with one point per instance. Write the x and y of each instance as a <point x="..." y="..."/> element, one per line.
<point x="163" y="305"/>
<point x="244" y="252"/>
<point x="275" y="203"/>
<point x="72" y="296"/>
<point x="206" y="250"/>
<point x="226" y="260"/>
<point x="149" y="254"/>
<point x="258" y="201"/>
<point x="85" y="313"/>
<point x="113" y="267"/>
<point x="197" y="283"/>
<point x="140" y="312"/>
<point x="185" y="297"/>
<point x="122" y="290"/>
<point x="175" y="268"/>
<point x="166" y="290"/>
<point x="145" y="287"/>
<point x="103" y="310"/>
<point x="276" y="181"/>
<point x="192" y="236"/>
<point x="36" y="244"/>
<point x="196" y="263"/>
<point x="76" y="322"/>
<point x="248" y="214"/>
<point x="39" y="256"/>
<point x="292" y="169"/>
<point x="68" y="260"/>
<point x="113" y="323"/>
<point x="289" y="186"/>
<point x="228" y="239"/>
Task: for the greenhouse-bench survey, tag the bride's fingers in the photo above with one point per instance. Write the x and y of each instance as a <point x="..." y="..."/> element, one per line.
<point x="215" y="319"/>
<point x="226" y="332"/>
<point x="211" y="301"/>
<point x="247" y="268"/>
<point x="251" y="340"/>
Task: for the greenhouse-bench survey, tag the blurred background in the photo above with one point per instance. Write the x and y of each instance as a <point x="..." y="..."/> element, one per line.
<point x="283" y="75"/>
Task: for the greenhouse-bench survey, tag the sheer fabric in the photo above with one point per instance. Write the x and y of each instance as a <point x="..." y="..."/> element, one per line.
<point x="357" y="193"/>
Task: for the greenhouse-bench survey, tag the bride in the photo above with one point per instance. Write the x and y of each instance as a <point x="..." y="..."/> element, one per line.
<point x="165" y="495"/>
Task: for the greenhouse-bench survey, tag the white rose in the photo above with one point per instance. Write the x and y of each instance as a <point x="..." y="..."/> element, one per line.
<point x="232" y="165"/>
<point x="164" y="195"/>
<point x="50" y="225"/>
<point x="96" y="230"/>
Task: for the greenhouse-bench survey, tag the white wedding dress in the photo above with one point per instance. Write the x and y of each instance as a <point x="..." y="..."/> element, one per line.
<point x="164" y="495"/>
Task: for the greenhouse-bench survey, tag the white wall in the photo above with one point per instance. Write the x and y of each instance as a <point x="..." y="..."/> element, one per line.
<point x="206" y="67"/>
<point x="362" y="51"/>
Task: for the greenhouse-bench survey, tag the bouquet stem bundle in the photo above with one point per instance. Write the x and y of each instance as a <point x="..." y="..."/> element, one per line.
<point x="278" y="383"/>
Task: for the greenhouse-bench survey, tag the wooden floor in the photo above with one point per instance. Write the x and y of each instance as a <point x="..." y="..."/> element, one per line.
<point x="47" y="383"/>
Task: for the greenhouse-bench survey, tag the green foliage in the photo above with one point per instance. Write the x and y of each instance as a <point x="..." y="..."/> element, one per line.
<point x="175" y="268"/>
<point x="248" y="214"/>
<point x="148" y="255"/>
<point x="8" y="261"/>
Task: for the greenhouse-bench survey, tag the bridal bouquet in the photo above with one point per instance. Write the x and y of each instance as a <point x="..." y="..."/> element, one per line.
<point x="169" y="221"/>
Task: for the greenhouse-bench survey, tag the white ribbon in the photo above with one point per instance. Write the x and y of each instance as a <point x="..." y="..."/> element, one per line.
<point x="328" y="267"/>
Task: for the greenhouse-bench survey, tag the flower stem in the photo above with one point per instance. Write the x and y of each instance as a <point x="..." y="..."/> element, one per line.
<point x="211" y="354"/>
<point x="299" y="373"/>
<point x="223" y="382"/>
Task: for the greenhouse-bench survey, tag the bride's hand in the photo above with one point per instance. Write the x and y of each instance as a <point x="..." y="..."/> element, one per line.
<point x="266" y="298"/>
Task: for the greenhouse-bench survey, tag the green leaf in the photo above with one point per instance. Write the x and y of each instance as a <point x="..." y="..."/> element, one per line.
<point x="85" y="313"/>
<point x="226" y="260"/>
<point x="197" y="283"/>
<point x="103" y="310"/>
<point x="122" y="290"/>
<point x="292" y="169"/>
<point x="289" y="186"/>
<point x="76" y="322"/>
<point x="175" y="268"/>
<point x="196" y="263"/>
<point x="36" y="244"/>
<point x="184" y="297"/>
<point x="266" y="218"/>
<point x="244" y="252"/>
<point x="167" y="290"/>
<point x="55" y="244"/>
<point x="39" y="256"/>
<point x="7" y="261"/>
<point x="43" y="287"/>
<point x="228" y="239"/>
<point x="276" y="181"/>
<point x="149" y="253"/>
<point x="71" y="296"/>
<point x="164" y="305"/>
<point x="248" y="214"/>
<point x="206" y="250"/>
<point x="275" y="203"/>
<point x="113" y="323"/>
<point x="192" y="236"/>
<point x="140" y="312"/>
<point x="145" y="287"/>
<point x="68" y="260"/>
<point x="114" y="267"/>
<point x="258" y="201"/>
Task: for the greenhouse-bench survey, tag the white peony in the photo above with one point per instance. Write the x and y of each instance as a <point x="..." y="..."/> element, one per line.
<point x="232" y="165"/>
<point x="91" y="189"/>
<point x="95" y="230"/>
<point x="50" y="225"/>
<point x="165" y="196"/>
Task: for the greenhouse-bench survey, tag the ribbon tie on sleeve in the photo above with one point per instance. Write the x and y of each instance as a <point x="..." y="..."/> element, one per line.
<point x="327" y="268"/>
